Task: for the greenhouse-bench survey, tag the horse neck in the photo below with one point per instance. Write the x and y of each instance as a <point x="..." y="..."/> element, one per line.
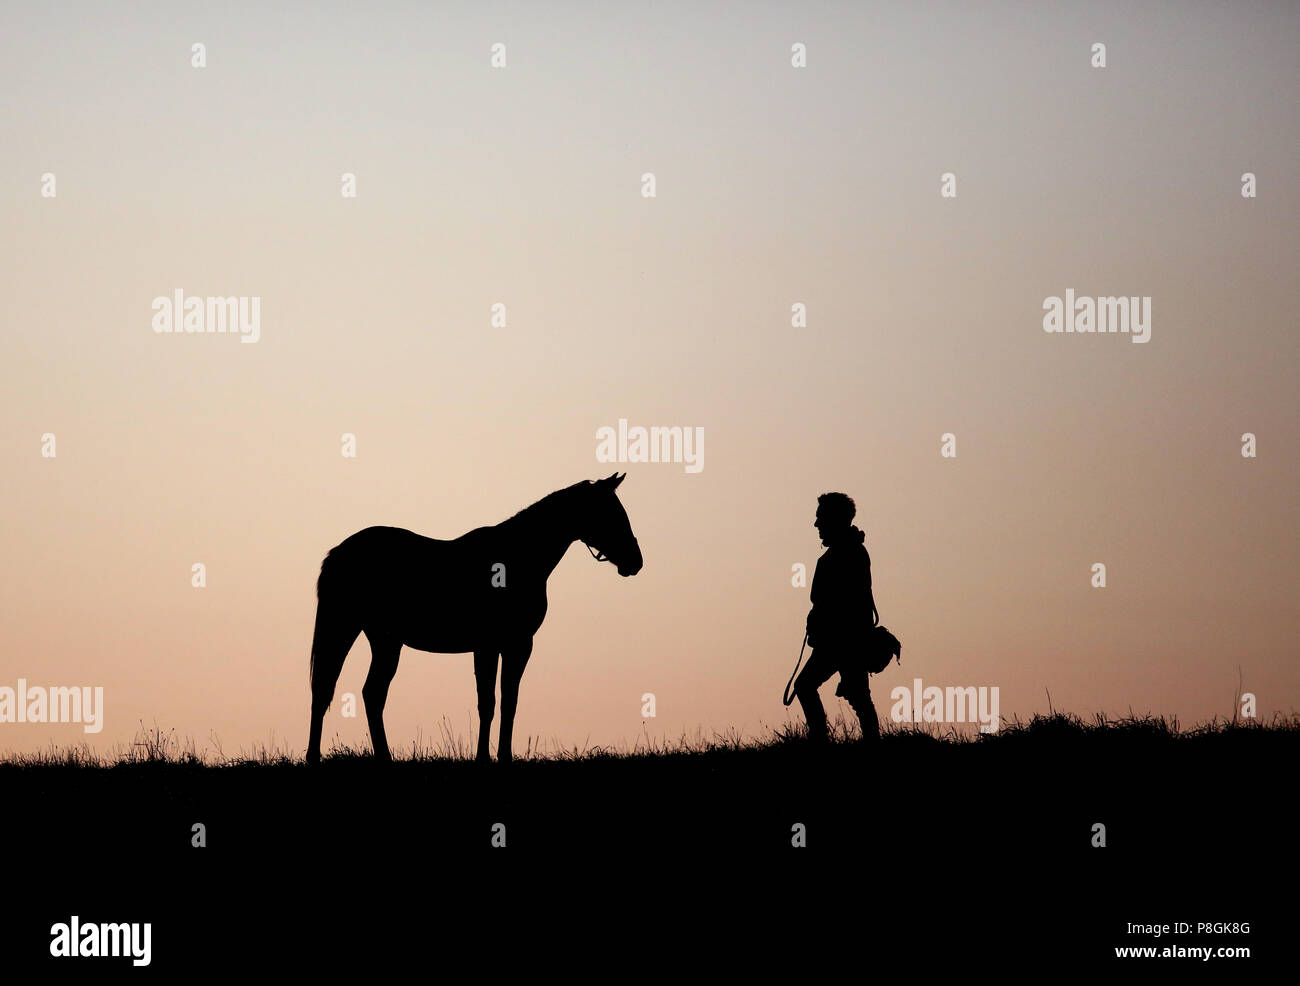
<point x="549" y="529"/>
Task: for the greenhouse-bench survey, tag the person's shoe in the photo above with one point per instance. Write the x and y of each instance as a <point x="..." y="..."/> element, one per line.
<point x="818" y="737"/>
<point x="870" y="730"/>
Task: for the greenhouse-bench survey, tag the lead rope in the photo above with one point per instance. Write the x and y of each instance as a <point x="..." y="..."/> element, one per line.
<point x="786" y="697"/>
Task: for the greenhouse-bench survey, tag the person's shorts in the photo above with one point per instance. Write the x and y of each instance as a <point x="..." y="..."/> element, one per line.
<point x="853" y="677"/>
<point x="825" y="662"/>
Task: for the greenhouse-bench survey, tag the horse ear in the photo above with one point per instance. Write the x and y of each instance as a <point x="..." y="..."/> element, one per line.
<point x="616" y="479"/>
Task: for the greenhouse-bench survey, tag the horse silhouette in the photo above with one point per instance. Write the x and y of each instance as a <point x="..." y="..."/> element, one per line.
<point x="483" y="592"/>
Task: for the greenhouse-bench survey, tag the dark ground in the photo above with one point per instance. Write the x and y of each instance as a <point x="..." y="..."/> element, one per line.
<point x="915" y="844"/>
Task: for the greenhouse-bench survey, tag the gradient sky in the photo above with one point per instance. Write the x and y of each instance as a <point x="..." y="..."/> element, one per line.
<point x="775" y="185"/>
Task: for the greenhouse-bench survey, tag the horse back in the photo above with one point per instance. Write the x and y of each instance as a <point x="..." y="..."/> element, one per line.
<point x="433" y="594"/>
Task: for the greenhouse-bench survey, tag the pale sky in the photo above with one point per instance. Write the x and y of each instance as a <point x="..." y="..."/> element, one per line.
<point x="775" y="185"/>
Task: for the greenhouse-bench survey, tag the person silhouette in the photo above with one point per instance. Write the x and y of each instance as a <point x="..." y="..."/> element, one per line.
<point x="841" y="599"/>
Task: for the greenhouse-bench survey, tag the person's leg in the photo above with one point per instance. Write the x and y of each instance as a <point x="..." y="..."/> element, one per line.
<point x="815" y="673"/>
<point x="858" y="694"/>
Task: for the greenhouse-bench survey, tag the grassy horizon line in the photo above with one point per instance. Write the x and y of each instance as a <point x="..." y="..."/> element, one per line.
<point x="155" y="746"/>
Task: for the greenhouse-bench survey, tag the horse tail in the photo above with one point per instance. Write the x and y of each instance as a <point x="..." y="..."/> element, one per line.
<point x="332" y="637"/>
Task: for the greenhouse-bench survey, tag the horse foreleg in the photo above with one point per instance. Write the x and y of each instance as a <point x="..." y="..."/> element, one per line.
<point x="513" y="661"/>
<point x="485" y="676"/>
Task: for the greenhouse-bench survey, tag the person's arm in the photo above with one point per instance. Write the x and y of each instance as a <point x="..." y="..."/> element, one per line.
<point x="855" y="604"/>
<point x="841" y="601"/>
<point x="817" y="596"/>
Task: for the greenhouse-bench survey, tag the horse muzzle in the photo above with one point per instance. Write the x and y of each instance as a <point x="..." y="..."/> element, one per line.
<point x="631" y="566"/>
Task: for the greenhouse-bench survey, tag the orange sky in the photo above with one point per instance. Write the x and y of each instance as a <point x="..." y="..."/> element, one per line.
<point x="775" y="186"/>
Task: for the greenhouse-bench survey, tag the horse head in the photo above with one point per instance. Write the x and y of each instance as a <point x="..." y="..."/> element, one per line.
<point x="605" y="529"/>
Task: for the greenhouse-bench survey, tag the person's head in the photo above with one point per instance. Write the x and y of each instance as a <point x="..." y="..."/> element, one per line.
<point x="835" y="513"/>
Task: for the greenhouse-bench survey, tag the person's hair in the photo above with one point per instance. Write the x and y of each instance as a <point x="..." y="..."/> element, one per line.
<point x="837" y="507"/>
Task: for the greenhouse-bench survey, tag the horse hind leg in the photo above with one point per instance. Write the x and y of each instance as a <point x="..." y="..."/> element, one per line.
<point x="383" y="665"/>
<point x="330" y="644"/>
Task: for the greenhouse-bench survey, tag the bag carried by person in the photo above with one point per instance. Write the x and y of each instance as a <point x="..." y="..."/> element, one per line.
<point x="880" y="648"/>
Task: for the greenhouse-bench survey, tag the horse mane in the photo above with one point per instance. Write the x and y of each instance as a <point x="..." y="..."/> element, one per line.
<point x="545" y="504"/>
